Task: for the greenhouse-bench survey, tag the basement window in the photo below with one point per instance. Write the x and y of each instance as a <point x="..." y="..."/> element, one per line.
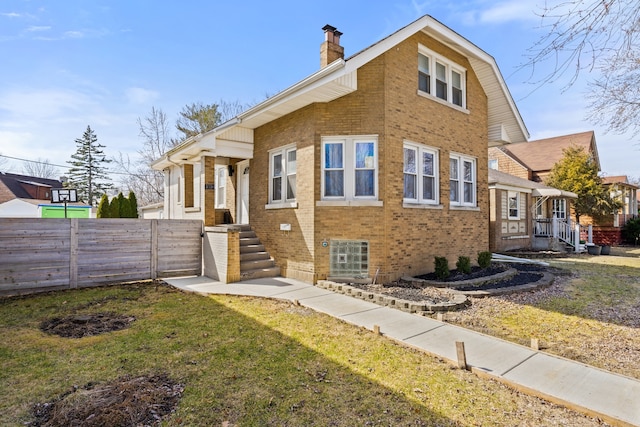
<point x="349" y="258"/>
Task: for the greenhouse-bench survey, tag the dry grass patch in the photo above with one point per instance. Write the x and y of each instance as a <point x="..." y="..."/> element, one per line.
<point x="590" y="314"/>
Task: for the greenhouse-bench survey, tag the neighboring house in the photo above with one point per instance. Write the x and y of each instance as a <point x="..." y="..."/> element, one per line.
<point x="621" y="189"/>
<point x="368" y="168"/>
<point x="21" y="208"/>
<point x="535" y="159"/>
<point x="153" y="211"/>
<point x="607" y="230"/>
<point x="528" y="215"/>
<point x="13" y="186"/>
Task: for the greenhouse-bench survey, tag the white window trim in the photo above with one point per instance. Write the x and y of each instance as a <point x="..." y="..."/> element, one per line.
<point x="349" y="168"/>
<point x="449" y="66"/>
<point x="557" y="203"/>
<point x="461" y="159"/>
<point x="220" y="186"/>
<point x="420" y="149"/>
<point x="510" y="194"/>
<point x="285" y="203"/>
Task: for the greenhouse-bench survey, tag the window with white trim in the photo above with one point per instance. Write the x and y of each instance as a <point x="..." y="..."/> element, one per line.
<point x="420" y="174"/>
<point x="559" y="209"/>
<point x="462" y="180"/>
<point x="450" y="78"/>
<point x="221" y="186"/>
<point x="282" y="175"/>
<point x="350" y="168"/>
<point x="513" y="204"/>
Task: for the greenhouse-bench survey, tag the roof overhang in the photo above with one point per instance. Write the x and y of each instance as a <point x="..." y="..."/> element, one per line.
<point x="505" y="125"/>
<point x="553" y="192"/>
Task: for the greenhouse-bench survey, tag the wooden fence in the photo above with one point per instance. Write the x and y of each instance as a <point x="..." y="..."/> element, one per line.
<point x="42" y="254"/>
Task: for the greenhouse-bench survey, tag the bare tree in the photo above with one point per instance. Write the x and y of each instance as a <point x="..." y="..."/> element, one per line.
<point x="40" y="168"/>
<point x="138" y="176"/>
<point x="601" y="36"/>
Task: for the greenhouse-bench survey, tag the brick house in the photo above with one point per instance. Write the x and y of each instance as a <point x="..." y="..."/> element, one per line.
<point x="534" y="161"/>
<point x="516" y="221"/>
<point x="366" y="169"/>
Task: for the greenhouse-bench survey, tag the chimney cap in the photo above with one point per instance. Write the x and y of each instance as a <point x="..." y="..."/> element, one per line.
<point x="331" y="28"/>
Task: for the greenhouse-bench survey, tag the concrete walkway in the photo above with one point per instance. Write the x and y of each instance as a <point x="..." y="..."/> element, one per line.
<point x="611" y="397"/>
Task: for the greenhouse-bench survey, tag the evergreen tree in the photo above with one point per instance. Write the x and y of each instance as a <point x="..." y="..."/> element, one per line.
<point x="88" y="174"/>
<point x="133" y="205"/>
<point x="104" y="210"/>
<point x="577" y="172"/>
<point x="114" y="207"/>
<point x="123" y="206"/>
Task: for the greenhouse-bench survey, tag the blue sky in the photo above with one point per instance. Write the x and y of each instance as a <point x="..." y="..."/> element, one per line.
<point x="67" y="64"/>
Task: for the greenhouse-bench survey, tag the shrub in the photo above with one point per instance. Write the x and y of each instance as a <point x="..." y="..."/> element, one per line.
<point x="631" y="231"/>
<point x="484" y="259"/>
<point x="442" y="267"/>
<point x="464" y="264"/>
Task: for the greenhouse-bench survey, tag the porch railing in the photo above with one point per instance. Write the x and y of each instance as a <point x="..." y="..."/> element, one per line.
<point x="563" y="230"/>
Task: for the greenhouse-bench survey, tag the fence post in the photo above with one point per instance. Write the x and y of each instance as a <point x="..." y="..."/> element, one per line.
<point x="154" y="249"/>
<point x="590" y="240"/>
<point x="554" y="227"/>
<point x="73" y="253"/>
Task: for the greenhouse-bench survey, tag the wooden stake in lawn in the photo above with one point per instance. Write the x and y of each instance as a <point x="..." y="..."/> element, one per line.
<point x="462" y="357"/>
<point x="535" y="344"/>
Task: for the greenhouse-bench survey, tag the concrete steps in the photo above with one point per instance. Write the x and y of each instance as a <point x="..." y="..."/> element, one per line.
<point x="255" y="262"/>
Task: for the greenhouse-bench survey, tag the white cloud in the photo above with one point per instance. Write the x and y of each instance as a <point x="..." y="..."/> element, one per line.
<point x="138" y="95"/>
<point x="513" y="10"/>
<point x="34" y="28"/>
<point x="11" y="14"/>
<point x="44" y="104"/>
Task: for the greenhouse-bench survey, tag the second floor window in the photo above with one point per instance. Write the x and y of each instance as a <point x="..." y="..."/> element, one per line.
<point x="450" y="84"/>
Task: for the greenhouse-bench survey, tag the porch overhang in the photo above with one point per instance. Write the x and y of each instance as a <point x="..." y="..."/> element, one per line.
<point x="553" y="192"/>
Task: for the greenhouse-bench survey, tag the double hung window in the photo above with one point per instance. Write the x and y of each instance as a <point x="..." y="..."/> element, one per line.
<point x="450" y="85"/>
<point x="513" y="204"/>
<point x="462" y="181"/>
<point x="349" y="168"/>
<point x="420" y="174"/>
<point x="282" y="172"/>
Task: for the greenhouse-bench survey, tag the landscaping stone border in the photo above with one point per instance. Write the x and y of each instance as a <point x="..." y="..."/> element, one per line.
<point x="421" y="307"/>
<point x="479" y="281"/>
<point x="545" y="281"/>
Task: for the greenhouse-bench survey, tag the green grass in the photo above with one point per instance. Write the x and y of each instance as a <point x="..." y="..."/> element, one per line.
<point x="249" y="362"/>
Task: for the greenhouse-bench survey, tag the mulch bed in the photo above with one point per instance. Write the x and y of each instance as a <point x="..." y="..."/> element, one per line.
<point x="126" y="401"/>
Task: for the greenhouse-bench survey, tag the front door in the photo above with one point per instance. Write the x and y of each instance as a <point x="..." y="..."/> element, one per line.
<point x="243" y="192"/>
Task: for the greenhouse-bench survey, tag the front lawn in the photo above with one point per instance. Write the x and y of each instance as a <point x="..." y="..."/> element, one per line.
<point x="242" y="362"/>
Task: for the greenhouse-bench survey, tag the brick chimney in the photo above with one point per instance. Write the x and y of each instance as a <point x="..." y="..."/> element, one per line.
<point x="330" y="49"/>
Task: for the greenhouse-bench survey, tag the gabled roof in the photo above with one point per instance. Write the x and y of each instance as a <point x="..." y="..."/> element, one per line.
<point x="505" y="181"/>
<point x="340" y="78"/>
<point x="15" y="183"/>
<point x="540" y="155"/>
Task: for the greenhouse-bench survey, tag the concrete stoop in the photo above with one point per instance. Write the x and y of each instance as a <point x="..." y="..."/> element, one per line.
<point x="255" y="261"/>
